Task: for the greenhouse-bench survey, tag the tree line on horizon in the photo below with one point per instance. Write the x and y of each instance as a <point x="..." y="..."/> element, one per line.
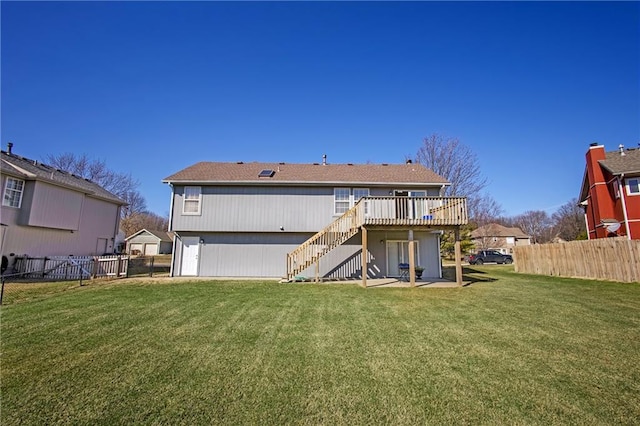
<point x="446" y="156"/>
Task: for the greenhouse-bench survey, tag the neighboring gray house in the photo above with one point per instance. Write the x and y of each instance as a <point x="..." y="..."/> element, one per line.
<point x="497" y="237"/>
<point x="149" y="243"/>
<point x="313" y="220"/>
<point x="48" y="212"/>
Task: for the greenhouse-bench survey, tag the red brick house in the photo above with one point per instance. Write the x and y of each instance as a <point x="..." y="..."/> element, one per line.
<point x="610" y="192"/>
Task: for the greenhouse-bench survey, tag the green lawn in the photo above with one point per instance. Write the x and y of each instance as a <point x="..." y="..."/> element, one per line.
<point x="510" y="348"/>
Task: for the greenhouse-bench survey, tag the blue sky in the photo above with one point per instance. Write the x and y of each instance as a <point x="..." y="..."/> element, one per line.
<point x="153" y="87"/>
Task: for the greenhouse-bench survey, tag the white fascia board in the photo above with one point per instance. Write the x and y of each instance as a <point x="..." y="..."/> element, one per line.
<point x="303" y="183"/>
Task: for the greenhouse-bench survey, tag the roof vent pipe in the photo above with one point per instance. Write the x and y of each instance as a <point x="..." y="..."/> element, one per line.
<point x="324" y="159"/>
<point x="621" y="148"/>
<point x="9" y="146"/>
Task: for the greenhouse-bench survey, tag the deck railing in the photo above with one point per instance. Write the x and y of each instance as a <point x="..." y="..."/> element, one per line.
<point x="418" y="211"/>
<point x="377" y="211"/>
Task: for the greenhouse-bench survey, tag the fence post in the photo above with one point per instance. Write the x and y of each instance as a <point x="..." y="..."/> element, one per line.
<point x="118" y="266"/>
<point x="44" y="266"/>
<point x="94" y="271"/>
<point x="151" y="266"/>
<point x="2" y="290"/>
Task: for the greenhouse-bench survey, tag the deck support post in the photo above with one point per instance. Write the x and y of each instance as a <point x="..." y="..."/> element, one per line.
<point x="412" y="259"/>
<point x="364" y="257"/>
<point x="458" y="255"/>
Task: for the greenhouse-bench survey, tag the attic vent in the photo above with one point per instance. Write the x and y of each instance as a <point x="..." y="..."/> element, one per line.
<point x="266" y="173"/>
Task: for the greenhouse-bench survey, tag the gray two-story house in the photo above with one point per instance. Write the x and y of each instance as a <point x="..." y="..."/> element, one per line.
<point x="308" y="220"/>
<point x="49" y="212"/>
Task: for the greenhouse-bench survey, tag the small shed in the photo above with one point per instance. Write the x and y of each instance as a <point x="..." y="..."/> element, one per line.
<point x="149" y="243"/>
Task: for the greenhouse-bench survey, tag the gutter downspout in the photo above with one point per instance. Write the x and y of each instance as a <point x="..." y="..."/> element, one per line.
<point x="175" y="236"/>
<point x="173" y="253"/>
<point x="171" y="209"/>
<point x="624" y="206"/>
<point x="117" y="230"/>
<point x="586" y="222"/>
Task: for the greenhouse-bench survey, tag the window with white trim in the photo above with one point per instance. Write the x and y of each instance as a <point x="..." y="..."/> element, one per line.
<point x="633" y="186"/>
<point x="13" y="190"/>
<point x="361" y="193"/>
<point x="341" y="200"/>
<point x="345" y="198"/>
<point x="192" y="200"/>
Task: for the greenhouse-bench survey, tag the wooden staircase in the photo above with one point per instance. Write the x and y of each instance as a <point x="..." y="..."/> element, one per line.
<point x="334" y="235"/>
<point x="399" y="212"/>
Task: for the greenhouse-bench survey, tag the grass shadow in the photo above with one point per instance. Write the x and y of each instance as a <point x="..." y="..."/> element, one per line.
<point x="470" y="275"/>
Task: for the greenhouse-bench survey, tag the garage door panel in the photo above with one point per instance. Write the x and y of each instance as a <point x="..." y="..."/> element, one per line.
<point x="150" y="249"/>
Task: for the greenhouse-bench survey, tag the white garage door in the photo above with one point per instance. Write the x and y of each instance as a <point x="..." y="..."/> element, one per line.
<point x="135" y="248"/>
<point x="150" y="249"/>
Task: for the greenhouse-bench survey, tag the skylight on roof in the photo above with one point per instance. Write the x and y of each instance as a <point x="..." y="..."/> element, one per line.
<point x="266" y="173"/>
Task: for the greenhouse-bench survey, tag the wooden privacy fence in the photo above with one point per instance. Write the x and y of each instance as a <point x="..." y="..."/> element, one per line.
<point x="615" y="259"/>
<point x="71" y="267"/>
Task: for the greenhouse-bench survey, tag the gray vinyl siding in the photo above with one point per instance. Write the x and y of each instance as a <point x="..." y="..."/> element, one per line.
<point x="264" y="255"/>
<point x="264" y="209"/>
<point x="241" y="254"/>
<point x="253" y="209"/>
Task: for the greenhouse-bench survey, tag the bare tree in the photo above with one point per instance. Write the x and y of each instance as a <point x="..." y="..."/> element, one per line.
<point x="485" y="210"/>
<point x="122" y="185"/>
<point x="457" y="163"/>
<point x="454" y="161"/>
<point x="537" y="224"/>
<point x="143" y="220"/>
<point x="136" y="203"/>
<point x="569" y="221"/>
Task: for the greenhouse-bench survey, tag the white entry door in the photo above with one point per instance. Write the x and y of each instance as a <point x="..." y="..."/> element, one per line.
<point x="190" y="254"/>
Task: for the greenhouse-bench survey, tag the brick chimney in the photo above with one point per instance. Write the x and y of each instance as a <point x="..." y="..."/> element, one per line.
<point x="601" y="203"/>
<point x="594" y="171"/>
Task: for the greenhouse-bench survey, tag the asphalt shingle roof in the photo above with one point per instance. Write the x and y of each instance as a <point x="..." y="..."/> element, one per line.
<point x="27" y="169"/>
<point x="618" y="164"/>
<point x="307" y="173"/>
